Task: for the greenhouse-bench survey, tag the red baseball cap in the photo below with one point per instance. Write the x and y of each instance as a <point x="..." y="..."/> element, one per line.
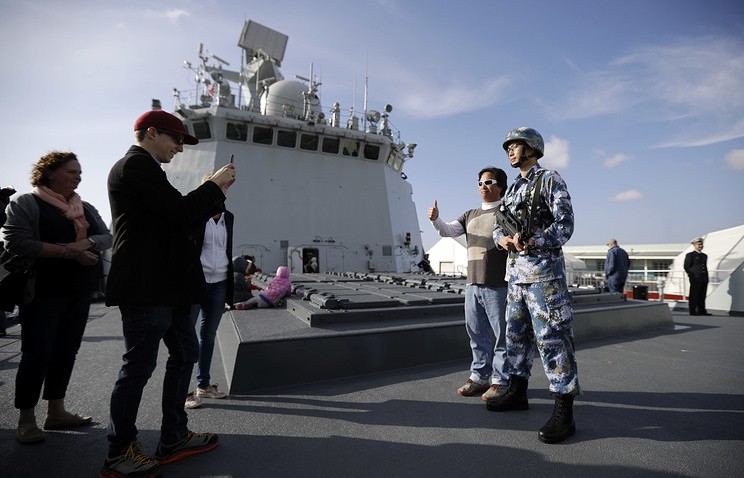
<point x="163" y="120"/>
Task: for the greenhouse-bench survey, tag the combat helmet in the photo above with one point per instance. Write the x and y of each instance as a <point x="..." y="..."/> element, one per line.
<point x="529" y="136"/>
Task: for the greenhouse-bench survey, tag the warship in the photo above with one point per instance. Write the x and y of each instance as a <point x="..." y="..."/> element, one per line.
<point x="318" y="190"/>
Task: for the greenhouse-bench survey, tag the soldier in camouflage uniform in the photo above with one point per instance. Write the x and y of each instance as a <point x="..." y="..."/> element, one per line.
<point x="539" y="312"/>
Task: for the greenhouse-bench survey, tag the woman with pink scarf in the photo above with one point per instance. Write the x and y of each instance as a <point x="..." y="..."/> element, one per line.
<point x="65" y="237"/>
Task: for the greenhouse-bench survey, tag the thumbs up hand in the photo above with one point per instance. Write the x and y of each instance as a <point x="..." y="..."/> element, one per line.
<point x="433" y="212"/>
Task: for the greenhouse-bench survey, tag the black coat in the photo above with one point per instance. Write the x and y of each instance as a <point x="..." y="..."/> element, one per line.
<point x="155" y="259"/>
<point x="696" y="266"/>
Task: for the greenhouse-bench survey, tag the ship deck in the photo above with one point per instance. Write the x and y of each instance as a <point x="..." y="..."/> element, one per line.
<point x="333" y="321"/>
<point x="658" y="402"/>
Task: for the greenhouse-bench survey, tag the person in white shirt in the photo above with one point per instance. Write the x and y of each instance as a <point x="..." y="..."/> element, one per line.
<point x="215" y="239"/>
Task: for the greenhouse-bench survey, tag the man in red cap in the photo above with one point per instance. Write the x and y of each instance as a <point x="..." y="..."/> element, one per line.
<point x="154" y="278"/>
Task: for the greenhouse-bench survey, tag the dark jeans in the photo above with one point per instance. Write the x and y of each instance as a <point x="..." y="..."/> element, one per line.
<point x="212" y="308"/>
<point x="53" y="328"/>
<point x="144" y="327"/>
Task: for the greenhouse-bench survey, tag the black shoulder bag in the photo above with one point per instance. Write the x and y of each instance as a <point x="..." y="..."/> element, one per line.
<point x="17" y="280"/>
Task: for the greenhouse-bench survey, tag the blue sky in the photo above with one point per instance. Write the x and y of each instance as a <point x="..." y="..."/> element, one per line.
<point x="641" y="103"/>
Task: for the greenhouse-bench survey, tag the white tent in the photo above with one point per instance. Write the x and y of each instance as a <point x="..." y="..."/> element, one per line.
<point x="725" y="250"/>
<point x="449" y="256"/>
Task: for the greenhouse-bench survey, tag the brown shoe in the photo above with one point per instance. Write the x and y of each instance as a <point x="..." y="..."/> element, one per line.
<point x="470" y="389"/>
<point x="496" y="390"/>
<point x="71" y="420"/>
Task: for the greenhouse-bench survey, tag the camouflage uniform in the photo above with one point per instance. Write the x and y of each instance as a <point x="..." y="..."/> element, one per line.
<point x="539" y="312"/>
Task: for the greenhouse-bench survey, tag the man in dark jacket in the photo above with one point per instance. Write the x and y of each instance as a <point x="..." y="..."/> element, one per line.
<point x="696" y="266"/>
<point x="617" y="265"/>
<point x="155" y="276"/>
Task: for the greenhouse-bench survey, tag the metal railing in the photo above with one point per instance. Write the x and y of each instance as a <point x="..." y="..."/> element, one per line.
<point x="660" y="280"/>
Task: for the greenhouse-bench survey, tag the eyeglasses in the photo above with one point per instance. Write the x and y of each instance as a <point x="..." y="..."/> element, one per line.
<point x="487" y="182"/>
<point x="513" y="146"/>
<point x="178" y="139"/>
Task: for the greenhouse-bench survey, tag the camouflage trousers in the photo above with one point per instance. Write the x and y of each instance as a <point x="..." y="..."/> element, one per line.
<point x="539" y="316"/>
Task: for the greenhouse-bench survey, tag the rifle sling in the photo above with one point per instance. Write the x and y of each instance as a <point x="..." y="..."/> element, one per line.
<point x="536" y="189"/>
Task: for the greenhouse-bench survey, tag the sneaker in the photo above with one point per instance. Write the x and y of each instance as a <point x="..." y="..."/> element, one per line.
<point x="496" y="390"/>
<point x="191" y="444"/>
<point x="131" y="463"/>
<point x="471" y="389"/>
<point x="210" y="392"/>
<point x="192" y="401"/>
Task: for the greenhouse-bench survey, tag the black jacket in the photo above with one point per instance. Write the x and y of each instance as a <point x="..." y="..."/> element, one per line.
<point x="155" y="259"/>
<point x="696" y="266"/>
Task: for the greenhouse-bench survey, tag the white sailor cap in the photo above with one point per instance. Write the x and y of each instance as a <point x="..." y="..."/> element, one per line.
<point x="696" y="240"/>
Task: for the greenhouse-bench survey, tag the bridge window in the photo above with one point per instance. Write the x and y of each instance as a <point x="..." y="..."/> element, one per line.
<point x="371" y="151"/>
<point x="350" y="147"/>
<point x="286" y="139"/>
<point x="202" y="130"/>
<point x="331" y="145"/>
<point x="391" y="158"/>
<point x="236" y="131"/>
<point x="263" y="135"/>
<point x="309" y="142"/>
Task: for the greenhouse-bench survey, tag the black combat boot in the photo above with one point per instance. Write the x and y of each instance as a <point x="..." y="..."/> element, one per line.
<point x="561" y="425"/>
<point x="515" y="397"/>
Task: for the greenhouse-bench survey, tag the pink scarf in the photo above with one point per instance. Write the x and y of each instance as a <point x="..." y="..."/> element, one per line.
<point x="72" y="209"/>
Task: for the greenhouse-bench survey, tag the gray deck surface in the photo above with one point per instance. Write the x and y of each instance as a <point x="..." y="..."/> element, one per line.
<point x="660" y="404"/>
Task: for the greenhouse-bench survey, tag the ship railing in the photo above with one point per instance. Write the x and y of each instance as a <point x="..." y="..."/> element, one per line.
<point x="673" y="284"/>
<point x="198" y="98"/>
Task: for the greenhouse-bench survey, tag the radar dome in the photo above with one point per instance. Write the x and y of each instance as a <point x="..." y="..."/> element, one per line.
<point x="285" y="98"/>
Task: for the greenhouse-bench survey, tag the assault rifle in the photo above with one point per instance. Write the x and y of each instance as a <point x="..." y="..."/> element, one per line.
<point x="509" y="223"/>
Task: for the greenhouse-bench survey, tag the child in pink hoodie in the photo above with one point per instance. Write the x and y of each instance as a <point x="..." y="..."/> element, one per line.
<point x="279" y="288"/>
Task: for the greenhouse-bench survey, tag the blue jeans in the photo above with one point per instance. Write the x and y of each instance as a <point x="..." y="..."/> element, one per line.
<point x="616" y="283"/>
<point x="486" y="326"/>
<point x="144" y="327"/>
<point x="53" y="328"/>
<point x="212" y="308"/>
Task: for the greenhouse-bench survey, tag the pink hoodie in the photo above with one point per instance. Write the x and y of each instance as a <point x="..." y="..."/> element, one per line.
<point x="279" y="287"/>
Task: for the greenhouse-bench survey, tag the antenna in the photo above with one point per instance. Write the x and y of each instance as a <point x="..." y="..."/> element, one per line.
<point x="353" y="103"/>
<point x="224" y="62"/>
<point x="366" y="88"/>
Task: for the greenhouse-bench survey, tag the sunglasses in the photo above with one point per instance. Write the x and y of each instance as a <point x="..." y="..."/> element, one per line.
<point x="487" y="182"/>
<point x="178" y="139"/>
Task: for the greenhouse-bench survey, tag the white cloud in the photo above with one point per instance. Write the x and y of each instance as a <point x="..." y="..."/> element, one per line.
<point x="735" y="159"/>
<point x="416" y="98"/>
<point x="556" y="154"/>
<point x="172" y="15"/>
<point x="615" y="159"/>
<point x="727" y="133"/>
<point x="630" y="195"/>
<point x="692" y="85"/>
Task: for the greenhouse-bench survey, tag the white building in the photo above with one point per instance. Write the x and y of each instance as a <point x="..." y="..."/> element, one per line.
<point x="449" y="256"/>
<point x="658" y="266"/>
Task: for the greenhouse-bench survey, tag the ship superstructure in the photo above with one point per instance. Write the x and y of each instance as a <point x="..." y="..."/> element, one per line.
<point x="316" y="192"/>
